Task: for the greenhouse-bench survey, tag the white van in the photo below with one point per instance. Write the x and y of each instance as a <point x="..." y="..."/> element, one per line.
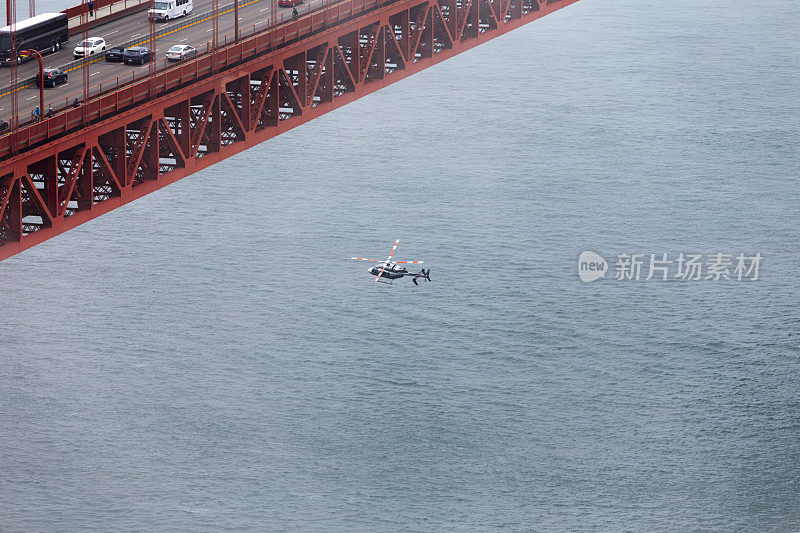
<point x="165" y="10"/>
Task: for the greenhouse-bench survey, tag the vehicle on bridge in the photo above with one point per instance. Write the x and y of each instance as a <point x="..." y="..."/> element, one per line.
<point x="115" y="54"/>
<point x="289" y="3"/>
<point x="43" y="33"/>
<point x="165" y="10"/>
<point x="89" y="47"/>
<point x="3" y="126"/>
<point x="137" y="55"/>
<point x="180" y="52"/>
<point x="52" y="77"/>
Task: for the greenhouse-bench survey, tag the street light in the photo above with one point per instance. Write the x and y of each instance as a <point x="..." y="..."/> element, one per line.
<point x="236" y="21"/>
<point x="26" y="53"/>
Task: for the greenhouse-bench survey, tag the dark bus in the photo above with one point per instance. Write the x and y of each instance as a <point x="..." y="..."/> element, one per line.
<point x="45" y="33"/>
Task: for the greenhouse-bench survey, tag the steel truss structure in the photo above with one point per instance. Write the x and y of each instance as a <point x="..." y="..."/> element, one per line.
<point x="135" y="140"/>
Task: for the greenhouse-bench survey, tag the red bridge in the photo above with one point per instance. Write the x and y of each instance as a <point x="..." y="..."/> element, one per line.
<point x="132" y="137"/>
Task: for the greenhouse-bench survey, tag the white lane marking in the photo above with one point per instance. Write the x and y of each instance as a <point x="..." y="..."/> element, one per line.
<point x="31" y="98"/>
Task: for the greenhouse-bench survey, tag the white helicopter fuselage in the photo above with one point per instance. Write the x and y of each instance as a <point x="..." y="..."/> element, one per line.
<point x="392" y="271"/>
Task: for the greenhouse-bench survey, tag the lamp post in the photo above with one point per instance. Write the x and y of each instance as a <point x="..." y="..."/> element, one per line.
<point x="26" y="53"/>
<point x="236" y="21"/>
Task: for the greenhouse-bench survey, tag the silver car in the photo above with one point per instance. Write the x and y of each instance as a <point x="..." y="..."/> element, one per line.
<point x="180" y="52"/>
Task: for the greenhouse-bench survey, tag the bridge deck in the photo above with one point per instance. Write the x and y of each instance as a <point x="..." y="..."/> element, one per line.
<point x="130" y="29"/>
<point x="136" y="139"/>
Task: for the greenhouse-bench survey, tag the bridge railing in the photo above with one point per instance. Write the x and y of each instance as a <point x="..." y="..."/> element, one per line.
<point x="80" y="9"/>
<point x="104" y="11"/>
<point x="115" y="83"/>
<point x="125" y="93"/>
<point x="163" y="31"/>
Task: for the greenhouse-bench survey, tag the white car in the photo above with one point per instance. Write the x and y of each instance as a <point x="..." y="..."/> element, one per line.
<point x="165" y="10"/>
<point x="180" y="51"/>
<point x="89" y="47"/>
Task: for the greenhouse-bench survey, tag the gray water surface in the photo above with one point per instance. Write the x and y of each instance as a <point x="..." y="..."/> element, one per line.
<point x="206" y="358"/>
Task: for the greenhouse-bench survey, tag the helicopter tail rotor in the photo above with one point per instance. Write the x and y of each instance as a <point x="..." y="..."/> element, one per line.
<point x="424" y="274"/>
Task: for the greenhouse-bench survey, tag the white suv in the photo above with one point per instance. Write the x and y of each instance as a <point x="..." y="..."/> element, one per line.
<point x="89" y="47"/>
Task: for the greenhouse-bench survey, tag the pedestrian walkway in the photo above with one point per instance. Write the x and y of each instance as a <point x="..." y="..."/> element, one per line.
<point x="105" y="12"/>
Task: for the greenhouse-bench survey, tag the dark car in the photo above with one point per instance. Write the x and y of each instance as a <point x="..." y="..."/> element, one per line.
<point x="115" y="54"/>
<point x="137" y="55"/>
<point x="3" y="126"/>
<point x="52" y="77"/>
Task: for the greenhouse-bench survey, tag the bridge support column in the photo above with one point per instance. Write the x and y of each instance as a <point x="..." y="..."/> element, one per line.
<point x="51" y="184"/>
<point x="86" y="183"/>
<point x="216" y="126"/>
<point x="15" y="207"/>
<point x="120" y="162"/>
<point x="152" y="153"/>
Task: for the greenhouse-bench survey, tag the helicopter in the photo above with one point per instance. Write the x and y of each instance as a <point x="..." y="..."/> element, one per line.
<point x="391" y="270"/>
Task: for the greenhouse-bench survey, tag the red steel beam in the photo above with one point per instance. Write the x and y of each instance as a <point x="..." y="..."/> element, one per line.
<point x="71" y="169"/>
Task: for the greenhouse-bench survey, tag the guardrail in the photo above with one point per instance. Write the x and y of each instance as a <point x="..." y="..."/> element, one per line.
<point x="80" y="9"/>
<point x="127" y="93"/>
<point x="143" y="71"/>
<point x="167" y="29"/>
<point x="102" y="15"/>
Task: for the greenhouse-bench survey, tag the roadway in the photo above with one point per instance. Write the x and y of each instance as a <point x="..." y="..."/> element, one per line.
<point x="122" y="31"/>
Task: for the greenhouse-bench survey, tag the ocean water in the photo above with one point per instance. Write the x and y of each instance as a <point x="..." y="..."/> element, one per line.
<point x="207" y="359"/>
